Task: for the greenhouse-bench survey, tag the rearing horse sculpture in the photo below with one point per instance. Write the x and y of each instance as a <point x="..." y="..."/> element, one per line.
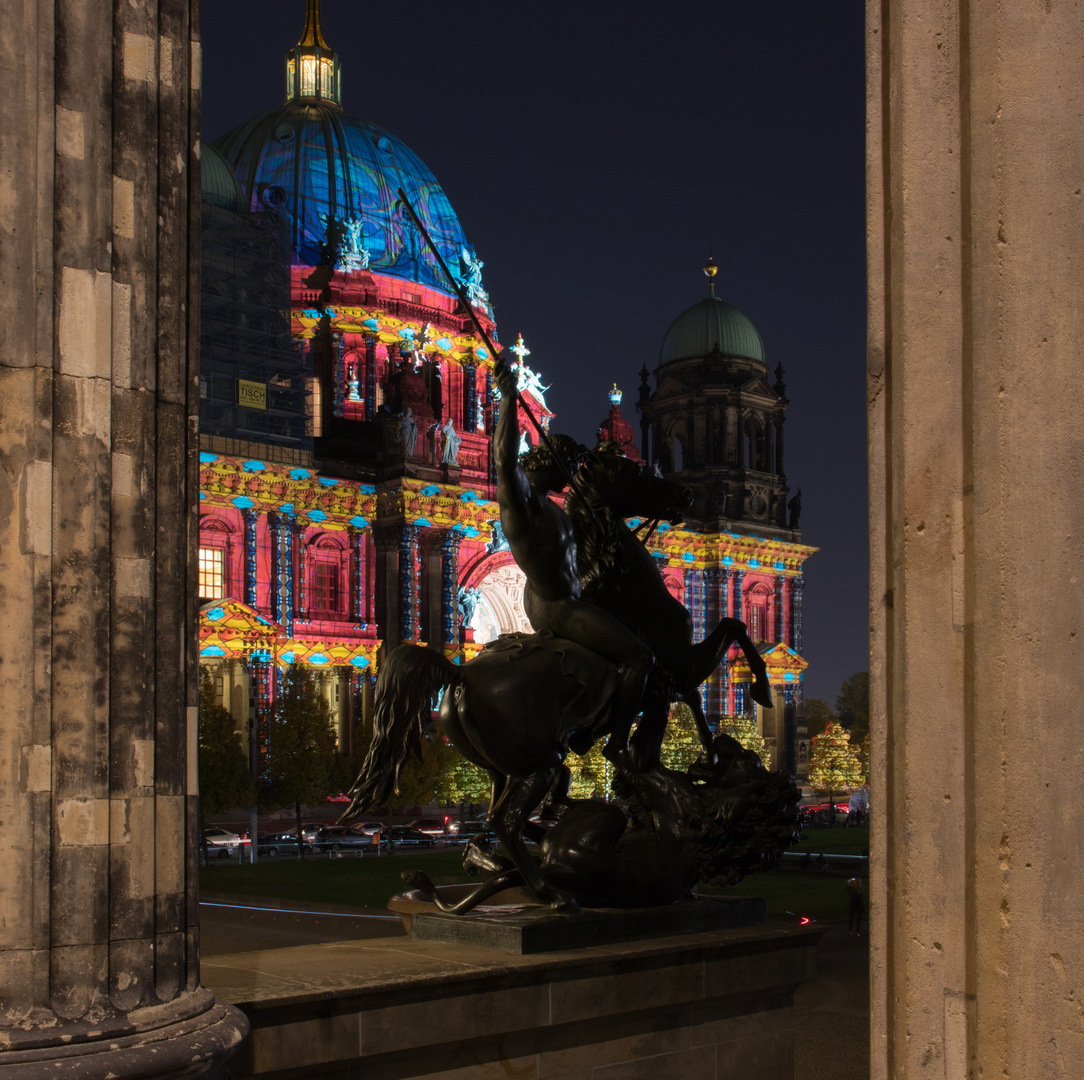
<point x="514" y="708"/>
<point x="619" y="575"/>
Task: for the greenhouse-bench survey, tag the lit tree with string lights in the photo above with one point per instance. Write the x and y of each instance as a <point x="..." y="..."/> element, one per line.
<point x="834" y="765"/>
<point x="744" y="730"/>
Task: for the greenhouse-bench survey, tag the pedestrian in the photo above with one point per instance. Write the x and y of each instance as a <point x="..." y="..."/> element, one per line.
<point x="822" y="862"/>
<point x="806" y="862"/>
<point x="854" y="910"/>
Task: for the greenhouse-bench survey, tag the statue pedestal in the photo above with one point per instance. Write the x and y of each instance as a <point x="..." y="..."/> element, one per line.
<point x="511" y="925"/>
<point x="717" y="1003"/>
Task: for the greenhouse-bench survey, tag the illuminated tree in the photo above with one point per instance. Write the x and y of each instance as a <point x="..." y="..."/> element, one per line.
<point x="590" y="774"/>
<point x="834" y="764"/>
<point x="681" y="744"/>
<point x="462" y="782"/>
<point x="744" y="730"/>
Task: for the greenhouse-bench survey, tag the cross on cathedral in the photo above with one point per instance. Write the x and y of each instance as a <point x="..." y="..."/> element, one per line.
<point x="520" y="349"/>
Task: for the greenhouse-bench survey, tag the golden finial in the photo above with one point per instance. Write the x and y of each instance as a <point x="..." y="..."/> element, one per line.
<point x="710" y="270"/>
<point x="312" y="34"/>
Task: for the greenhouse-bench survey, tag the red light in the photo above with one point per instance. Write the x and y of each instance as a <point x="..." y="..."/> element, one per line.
<point x="803" y="921"/>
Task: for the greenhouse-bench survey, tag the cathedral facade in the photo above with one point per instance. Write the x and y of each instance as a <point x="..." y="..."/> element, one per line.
<point x="347" y="496"/>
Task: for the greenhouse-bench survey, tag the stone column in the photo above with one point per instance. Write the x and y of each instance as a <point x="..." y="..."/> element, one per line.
<point x="976" y="332"/>
<point x="99" y="252"/>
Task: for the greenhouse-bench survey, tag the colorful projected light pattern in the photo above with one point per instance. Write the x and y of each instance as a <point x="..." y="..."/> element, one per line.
<point x="315" y="164"/>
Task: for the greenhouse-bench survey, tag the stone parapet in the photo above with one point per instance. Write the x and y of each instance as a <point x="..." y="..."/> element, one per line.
<point x="711" y="1005"/>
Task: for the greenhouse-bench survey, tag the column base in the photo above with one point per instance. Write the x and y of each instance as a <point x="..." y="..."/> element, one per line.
<point x="185" y="1038"/>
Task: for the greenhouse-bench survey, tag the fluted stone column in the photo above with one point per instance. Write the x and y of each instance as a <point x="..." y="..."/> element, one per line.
<point x="99" y="936"/>
<point x="976" y="257"/>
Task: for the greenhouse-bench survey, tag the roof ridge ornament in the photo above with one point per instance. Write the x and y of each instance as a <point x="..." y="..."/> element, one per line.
<point x="312" y="66"/>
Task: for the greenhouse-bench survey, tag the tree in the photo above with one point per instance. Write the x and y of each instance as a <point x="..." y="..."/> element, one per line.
<point x="681" y="744"/>
<point x="818" y="715"/>
<point x="300" y="749"/>
<point x="461" y="781"/>
<point x="744" y="730"/>
<point x="852" y="704"/>
<point x="225" y="780"/>
<point x="834" y="764"/>
<point x="590" y="774"/>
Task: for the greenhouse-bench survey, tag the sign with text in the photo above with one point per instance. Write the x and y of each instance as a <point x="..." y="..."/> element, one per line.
<point x="253" y="395"/>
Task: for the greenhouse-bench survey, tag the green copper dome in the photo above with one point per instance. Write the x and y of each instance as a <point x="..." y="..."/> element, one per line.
<point x="713" y="322"/>
<point x="218" y="185"/>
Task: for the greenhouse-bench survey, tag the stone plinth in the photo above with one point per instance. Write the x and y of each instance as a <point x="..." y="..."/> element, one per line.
<point x="526" y="929"/>
<point x="709" y="1006"/>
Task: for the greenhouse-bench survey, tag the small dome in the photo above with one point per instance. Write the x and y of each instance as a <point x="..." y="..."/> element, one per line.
<point x="712" y="322"/>
<point x="312" y="161"/>
<point x="218" y="185"/>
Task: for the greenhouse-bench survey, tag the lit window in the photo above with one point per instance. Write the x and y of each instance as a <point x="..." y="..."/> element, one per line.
<point x="757" y="619"/>
<point x="325" y="587"/>
<point x="212" y="573"/>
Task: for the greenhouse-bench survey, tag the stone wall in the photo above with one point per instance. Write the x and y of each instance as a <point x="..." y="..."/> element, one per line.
<point x="98" y="306"/>
<point x="976" y="333"/>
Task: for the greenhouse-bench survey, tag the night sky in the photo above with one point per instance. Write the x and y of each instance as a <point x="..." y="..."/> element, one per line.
<point x="594" y="152"/>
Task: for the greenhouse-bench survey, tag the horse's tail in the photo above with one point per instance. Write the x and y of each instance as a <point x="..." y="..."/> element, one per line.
<point x="407" y="683"/>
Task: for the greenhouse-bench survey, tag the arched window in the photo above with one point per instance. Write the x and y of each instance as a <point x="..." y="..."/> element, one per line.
<point x="756" y="603"/>
<point x="679" y="453"/>
<point x="328" y="578"/>
<point x="214" y="560"/>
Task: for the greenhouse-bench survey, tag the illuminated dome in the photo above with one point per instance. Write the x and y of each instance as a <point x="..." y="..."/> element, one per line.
<point x="312" y="163"/>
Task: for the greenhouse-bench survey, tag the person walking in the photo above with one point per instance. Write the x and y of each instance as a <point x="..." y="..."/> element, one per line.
<point x="854" y="909"/>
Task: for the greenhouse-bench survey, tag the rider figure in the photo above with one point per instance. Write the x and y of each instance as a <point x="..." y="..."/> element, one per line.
<point x="540" y="536"/>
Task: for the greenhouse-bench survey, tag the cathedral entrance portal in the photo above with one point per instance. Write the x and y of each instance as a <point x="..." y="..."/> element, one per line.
<point x="500" y="604"/>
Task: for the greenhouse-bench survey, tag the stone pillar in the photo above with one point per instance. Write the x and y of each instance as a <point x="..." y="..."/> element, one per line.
<point x="99" y="252"/>
<point x="976" y="330"/>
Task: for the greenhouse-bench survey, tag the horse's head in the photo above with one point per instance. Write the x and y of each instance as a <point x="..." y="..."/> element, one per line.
<point x="629" y="488"/>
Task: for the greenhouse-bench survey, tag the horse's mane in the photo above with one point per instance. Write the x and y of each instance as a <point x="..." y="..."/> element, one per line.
<point x="596" y="527"/>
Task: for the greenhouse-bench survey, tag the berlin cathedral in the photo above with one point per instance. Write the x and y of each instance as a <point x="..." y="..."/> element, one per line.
<point x="347" y="405"/>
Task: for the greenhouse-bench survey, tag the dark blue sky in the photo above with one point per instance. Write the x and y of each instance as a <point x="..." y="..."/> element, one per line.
<point x="593" y="153"/>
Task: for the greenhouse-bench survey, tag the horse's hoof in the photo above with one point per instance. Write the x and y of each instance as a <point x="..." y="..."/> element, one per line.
<point x="762" y="694"/>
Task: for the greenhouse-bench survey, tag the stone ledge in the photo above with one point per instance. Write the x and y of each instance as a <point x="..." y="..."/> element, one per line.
<point x="400" y="1008"/>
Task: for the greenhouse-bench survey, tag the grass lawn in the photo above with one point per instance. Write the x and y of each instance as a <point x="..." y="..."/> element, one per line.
<point x="369" y="882"/>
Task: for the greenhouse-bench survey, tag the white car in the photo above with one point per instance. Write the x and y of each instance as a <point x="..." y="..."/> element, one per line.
<point x="221" y="843"/>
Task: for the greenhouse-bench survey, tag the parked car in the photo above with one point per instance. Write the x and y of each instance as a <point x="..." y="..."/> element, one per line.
<point x="368" y="827"/>
<point x="435" y="827"/>
<point x="281" y="843"/>
<point x="403" y="836"/>
<point x="221" y="843"/>
<point x="309" y="829"/>
<point x="468" y="830"/>
<point x="338" y="837"/>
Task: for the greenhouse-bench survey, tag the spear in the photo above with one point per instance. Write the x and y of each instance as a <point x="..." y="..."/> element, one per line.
<point x="459" y="291"/>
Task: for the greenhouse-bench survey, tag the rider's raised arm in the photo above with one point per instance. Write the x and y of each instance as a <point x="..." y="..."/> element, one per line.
<point x="513" y="490"/>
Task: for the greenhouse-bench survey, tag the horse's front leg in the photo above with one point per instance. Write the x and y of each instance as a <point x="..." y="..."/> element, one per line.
<point x="705" y="656"/>
<point x="697" y="706"/>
